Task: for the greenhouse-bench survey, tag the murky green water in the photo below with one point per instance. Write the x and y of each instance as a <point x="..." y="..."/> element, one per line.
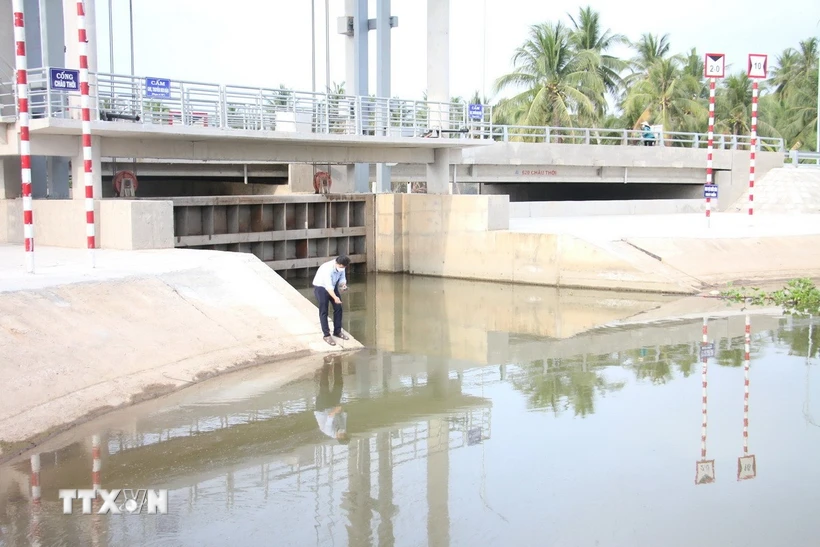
<point x="485" y="415"/>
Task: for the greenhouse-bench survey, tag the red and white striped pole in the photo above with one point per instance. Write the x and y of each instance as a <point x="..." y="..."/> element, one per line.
<point x="34" y="530"/>
<point x="752" y="149"/>
<point x="747" y="349"/>
<point x="710" y="147"/>
<point x="86" y="117"/>
<point x="25" y="143"/>
<point x="705" y="332"/>
<point x="96" y="464"/>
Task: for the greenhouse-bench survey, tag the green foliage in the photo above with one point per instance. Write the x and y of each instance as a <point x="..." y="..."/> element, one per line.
<point x="798" y="297"/>
<point x="563" y="77"/>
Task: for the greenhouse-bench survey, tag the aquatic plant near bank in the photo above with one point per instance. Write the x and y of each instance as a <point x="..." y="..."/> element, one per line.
<point x="798" y="297"/>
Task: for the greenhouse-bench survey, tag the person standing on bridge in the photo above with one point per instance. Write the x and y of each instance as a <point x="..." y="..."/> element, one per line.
<point x="329" y="280"/>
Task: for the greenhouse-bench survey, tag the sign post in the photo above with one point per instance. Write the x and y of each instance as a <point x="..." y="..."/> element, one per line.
<point x="704" y="469"/>
<point x="758" y="68"/>
<point x="714" y="67"/>
<point x="746" y="464"/>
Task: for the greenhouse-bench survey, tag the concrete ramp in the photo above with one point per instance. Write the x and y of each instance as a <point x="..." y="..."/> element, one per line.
<point x="784" y="190"/>
<point x="739" y="260"/>
<point x="77" y="341"/>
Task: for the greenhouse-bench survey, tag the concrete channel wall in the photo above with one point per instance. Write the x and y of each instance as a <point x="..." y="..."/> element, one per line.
<point x="468" y="237"/>
<point x="120" y="224"/>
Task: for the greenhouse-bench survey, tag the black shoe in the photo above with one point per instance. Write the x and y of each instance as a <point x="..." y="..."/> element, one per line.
<point x="342" y="335"/>
<point x="329" y="340"/>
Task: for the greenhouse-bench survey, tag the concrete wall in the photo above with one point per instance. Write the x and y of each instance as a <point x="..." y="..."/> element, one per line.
<point x="467" y="237"/>
<point x="538" y="209"/>
<point x="120" y="224"/>
<point x="733" y="183"/>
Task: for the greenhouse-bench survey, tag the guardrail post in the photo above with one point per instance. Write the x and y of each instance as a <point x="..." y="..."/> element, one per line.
<point x="327" y="113"/>
<point x="505" y="134"/>
<point x="696" y="141"/>
<point x="586" y="136"/>
<point x="259" y="101"/>
<point x="358" y="113"/>
<point x="223" y="106"/>
<point x="793" y="157"/>
<point x="182" y="102"/>
<point x="547" y="133"/>
<point x="625" y="137"/>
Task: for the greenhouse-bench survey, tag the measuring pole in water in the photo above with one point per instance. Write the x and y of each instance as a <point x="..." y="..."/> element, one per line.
<point x="705" y="469"/>
<point x="746" y="465"/>
<point x="34" y="528"/>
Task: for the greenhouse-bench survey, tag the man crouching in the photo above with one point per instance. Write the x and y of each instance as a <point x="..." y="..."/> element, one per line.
<point x="329" y="280"/>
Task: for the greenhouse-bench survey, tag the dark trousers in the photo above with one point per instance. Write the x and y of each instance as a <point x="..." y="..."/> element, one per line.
<point x="324" y="299"/>
<point x="328" y="398"/>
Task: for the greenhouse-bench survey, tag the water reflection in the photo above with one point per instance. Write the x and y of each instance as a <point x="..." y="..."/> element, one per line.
<point x="549" y="427"/>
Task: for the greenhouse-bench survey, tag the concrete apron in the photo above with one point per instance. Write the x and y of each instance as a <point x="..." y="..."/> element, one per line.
<point x="140" y="325"/>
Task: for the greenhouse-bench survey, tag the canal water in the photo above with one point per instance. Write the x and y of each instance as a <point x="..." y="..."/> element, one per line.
<point x="480" y="414"/>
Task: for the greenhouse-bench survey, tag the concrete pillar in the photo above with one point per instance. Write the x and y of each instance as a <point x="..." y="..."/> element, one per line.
<point x="356" y="68"/>
<point x="78" y="172"/>
<point x="438" y="88"/>
<point x="438" y="172"/>
<point x="11" y="185"/>
<point x="438" y="60"/>
<point x="383" y="77"/>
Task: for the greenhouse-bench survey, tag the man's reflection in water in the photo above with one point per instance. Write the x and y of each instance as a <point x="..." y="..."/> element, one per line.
<point x="330" y="416"/>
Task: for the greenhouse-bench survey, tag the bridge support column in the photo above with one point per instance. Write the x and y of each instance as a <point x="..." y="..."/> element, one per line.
<point x="438" y="172"/>
<point x="356" y="65"/>
<point x="438" y="61"/>
<point x="383" y="183"/>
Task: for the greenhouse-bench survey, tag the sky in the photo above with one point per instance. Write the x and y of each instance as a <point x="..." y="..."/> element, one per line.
<point x="268" y="42"/>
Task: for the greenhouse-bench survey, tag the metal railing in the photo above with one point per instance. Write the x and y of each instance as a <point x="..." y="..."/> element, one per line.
<point x="123" y="99"/>
<point x="801" y="158"/>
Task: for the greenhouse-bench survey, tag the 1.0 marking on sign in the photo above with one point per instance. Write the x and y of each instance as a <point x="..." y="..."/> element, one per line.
<point x="758" y="65"/>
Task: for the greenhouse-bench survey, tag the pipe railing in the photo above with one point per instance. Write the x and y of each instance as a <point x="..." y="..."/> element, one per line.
<point x="123" y="99"/>
<point x="801" y="158"/>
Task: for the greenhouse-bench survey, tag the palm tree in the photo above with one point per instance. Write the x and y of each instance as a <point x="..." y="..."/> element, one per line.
<point x="649" y="49"/>
<point x="667" y="95"/>
<point x="561" y="86"/>
<point x="587" y="35"/>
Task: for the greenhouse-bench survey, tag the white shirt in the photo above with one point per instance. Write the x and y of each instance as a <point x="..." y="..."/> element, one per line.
<point x="328" y="276"/>
<point x="331" y="426"/>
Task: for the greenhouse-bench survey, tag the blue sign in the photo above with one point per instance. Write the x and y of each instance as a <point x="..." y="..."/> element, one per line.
<point x="707" y="350"/>
<point x="157" y="88"/>
<point x="710" y="191"/>
<point x="63" y="79"/>
<point x="476" y="112"/>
